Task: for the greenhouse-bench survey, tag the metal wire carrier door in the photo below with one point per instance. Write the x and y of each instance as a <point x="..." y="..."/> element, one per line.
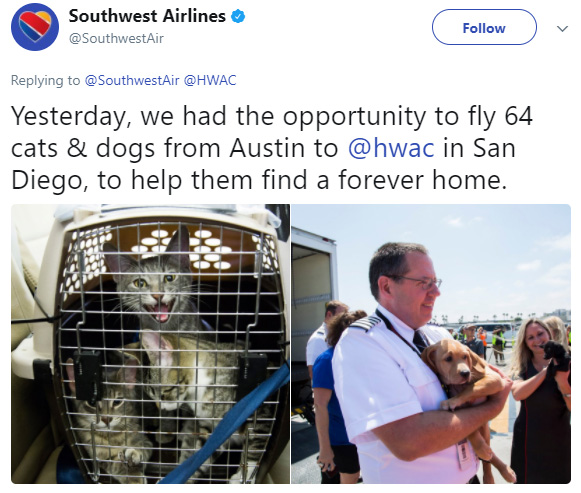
<point x="164" y="326"/>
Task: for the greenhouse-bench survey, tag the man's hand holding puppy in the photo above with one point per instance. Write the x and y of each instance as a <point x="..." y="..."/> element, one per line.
<point x="423" y="434"/>
<point x="499" y="399"/>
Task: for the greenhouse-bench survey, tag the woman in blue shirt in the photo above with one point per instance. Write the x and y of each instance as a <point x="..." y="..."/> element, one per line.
<point x="335" y="450"/>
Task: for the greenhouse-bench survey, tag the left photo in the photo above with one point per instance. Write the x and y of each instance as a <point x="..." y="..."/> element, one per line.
<point x="150" y="344"/>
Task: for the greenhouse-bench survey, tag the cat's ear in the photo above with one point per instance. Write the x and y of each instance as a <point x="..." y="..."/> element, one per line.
<point x="117" y="263"/>
<point x="128" y="372"/>
<point x="158" y="348"/>
<point x="71" y="374"/>
<point x="180" y="242"/>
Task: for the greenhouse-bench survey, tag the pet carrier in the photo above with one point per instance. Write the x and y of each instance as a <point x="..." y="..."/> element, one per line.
<point x="156" y="322"/>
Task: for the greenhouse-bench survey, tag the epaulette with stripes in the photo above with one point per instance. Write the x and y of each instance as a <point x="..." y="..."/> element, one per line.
<point x="366" y="323"/>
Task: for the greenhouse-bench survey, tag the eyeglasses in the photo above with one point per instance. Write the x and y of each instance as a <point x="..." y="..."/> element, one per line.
<point x="427" y="284"/>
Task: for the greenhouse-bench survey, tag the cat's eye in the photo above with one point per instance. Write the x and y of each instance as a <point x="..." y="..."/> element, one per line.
<point x="166" y="393"/>
<point x="140" y="283"/>
<point x="117" y="402"/>
<point x="169" y="278"/>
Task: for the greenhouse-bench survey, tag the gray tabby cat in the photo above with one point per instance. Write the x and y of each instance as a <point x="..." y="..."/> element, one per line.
<point x="157" y="288"/>
<point x="120" y="448"/>
<point x="201" y="375"/>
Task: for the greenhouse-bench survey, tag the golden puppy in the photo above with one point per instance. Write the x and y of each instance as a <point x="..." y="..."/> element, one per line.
<point x="469" y="381"/>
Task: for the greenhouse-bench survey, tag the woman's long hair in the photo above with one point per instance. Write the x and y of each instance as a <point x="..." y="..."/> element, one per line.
<point x="339" y="323"/>
<point x="522" y="355"/>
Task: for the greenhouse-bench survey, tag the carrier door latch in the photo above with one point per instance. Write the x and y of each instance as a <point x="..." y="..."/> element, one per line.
<point x="88" y="380"/>
<point x="251" y="373"/>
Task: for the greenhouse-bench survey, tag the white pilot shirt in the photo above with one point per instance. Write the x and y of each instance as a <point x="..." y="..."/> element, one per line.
<point x="380" y="379"/>
<point x="317" y="344"/>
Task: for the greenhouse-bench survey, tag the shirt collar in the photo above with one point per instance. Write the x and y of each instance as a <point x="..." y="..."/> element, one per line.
<point x="402" y="328"/>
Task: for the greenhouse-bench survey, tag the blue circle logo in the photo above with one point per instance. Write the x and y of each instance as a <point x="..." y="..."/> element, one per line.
<point x="35" y="27"/>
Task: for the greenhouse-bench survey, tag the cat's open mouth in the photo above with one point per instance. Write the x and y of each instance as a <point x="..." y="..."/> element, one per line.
<point x="160" y="312"/>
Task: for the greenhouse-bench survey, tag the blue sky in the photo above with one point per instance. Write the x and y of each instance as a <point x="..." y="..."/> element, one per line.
<point x="492" y="259"/>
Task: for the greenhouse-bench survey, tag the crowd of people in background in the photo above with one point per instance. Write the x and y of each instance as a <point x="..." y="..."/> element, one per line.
<point x="371" y="391"/>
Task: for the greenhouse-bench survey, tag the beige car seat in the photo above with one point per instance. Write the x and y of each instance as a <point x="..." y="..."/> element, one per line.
<point x="34" y="436"/>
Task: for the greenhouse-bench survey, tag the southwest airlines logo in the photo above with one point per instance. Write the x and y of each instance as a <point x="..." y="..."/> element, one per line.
<point x="35" y="27"/>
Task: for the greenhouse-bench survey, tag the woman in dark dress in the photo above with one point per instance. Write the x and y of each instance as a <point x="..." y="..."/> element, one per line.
<point x="541" y="444"/>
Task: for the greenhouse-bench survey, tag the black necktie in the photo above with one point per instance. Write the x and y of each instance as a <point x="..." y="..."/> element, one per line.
<point x="420" y="340"/>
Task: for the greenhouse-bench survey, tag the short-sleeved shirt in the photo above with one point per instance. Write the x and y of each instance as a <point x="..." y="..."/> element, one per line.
<point x="317" y="344"/>
<point x="379" y="379"/>
<point x="323" y="378"/>
<point x="476" y="346"/>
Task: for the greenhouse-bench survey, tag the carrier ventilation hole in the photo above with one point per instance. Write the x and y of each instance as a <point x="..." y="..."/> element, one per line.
<point x="202" y="249"/>
<point x="222" y="265"/>
<point x="204" y="233"/>
<point x="159" y="233"/>
<point x="149" y="241"/>
<point x="201" y="265"/>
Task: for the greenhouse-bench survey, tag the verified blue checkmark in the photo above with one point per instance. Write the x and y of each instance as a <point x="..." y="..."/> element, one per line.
<point x="238" y="16"/>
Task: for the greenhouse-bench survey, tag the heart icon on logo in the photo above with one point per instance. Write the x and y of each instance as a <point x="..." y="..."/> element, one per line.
<point x="35" y="24"/>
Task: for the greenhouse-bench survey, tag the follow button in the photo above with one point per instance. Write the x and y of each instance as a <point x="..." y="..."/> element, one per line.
<point x="484" y="26"/>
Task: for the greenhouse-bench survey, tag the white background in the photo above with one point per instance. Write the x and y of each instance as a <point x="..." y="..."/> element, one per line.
<point x="310" y="55"/>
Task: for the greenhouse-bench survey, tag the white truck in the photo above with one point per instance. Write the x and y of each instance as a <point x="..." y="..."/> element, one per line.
<point x="313" y="283"/>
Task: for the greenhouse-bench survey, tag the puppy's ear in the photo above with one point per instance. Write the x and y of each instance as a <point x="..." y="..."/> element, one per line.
<point x="478" y="365"/>
<point x="429" y="357"/>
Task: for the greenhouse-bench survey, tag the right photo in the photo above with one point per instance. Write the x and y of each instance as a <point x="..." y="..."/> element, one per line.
<point x="431" y="344"/>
